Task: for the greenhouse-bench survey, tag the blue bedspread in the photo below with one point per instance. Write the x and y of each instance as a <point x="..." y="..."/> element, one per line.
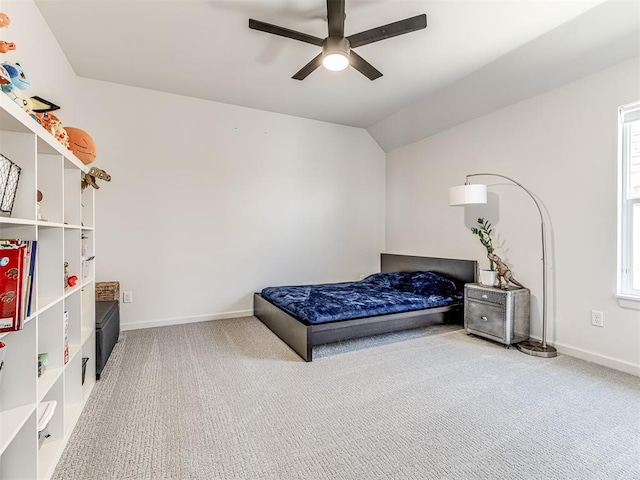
<point x="378" y="294"/>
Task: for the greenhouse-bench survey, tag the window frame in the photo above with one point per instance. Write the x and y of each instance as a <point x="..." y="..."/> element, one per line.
<point x="625" y="291"/>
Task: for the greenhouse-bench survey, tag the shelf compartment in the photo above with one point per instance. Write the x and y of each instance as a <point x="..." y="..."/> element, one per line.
<point x="47" y="380"/>
<point x="17" y="231"/>
<point x="50" y="277"/>
<point x="18" y="386"/>
<point x="50" y="185"/>
<point x="89" y="351"/>
<point x="72" y="255"/>
<point x="51" y="335"/>
<point x="48" y="456"/>
<point x="88" y="305"/>
<point x="20" y="148"/>
<point x="73" y="380"/>
<point x="87" y="334"/>
<point x="72" y="305"/>
<point x="49" y="452"/>
<point x="20" y="457"/>
<point x="71" y="417"/>
<point x="88" y="210"/>
<point x="72" y="196"/>
<point x="12" y="422"/>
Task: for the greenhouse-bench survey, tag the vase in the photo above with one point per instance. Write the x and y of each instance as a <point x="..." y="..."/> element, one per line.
<point x="488" y="277"/>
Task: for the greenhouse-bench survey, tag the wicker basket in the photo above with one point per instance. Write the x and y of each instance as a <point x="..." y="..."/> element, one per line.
<point x="106" y="291"/>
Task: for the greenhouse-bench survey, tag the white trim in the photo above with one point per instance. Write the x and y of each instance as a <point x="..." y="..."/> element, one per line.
<point x="165" y="322"/>
<point x="627" y="367"/>
<point x="625" y="260"/>
<point x="629" y="301"/>
<point x="597" y="358"/>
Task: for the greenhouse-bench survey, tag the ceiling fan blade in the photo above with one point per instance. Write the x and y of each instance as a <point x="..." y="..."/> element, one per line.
<point x="308" y="68"/>
<point x="387" y="31"/>
<point x="284" y="32"/>
<point x="363" y="66"/>
<point x="335" y="17"/>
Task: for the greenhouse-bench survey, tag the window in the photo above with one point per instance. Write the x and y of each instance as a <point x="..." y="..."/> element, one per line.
<point x="629" y="190"/>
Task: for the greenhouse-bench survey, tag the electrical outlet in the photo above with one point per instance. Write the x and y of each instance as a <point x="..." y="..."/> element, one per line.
<point x="597" y="318"/>
<point x="127" y="297"/>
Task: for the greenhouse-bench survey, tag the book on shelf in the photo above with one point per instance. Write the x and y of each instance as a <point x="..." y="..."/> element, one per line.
<point x="17" y="270"/>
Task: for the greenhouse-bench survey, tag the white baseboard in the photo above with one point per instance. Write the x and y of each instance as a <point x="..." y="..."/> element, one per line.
<point x="604" y="360"/>
<point x="165" y="322"/>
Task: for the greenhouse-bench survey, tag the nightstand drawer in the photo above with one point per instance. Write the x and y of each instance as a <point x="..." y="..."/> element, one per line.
<point x="486" y="318"/>
<point x="486" y="295"/>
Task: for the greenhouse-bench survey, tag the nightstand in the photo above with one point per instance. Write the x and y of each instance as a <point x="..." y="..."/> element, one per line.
<point x="496" y="314"/>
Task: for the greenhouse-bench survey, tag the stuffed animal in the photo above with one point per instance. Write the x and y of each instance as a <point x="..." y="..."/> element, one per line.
<point x="4" y="20"/>
<point x="5" y="78"/>
<point x="82" y="145"/>
<point x="60" y="133"/>
<point x="90" y="178"/>
<point x="19" y="81"/>
<point x="6" y="46"/>
<point x="52" y="125"/>
<point x="18" y="76"/>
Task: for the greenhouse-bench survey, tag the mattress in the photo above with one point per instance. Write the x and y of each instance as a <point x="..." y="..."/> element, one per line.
<point x="378" y="294"/>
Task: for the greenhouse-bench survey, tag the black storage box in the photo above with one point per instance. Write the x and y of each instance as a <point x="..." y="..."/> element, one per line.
<point x="107" y="331"/>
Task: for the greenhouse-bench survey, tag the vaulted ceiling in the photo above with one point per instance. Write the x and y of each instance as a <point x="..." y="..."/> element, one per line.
<point x="205" y="49"/>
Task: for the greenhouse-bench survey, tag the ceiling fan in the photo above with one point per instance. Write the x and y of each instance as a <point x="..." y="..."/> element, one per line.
<point x="337" y="50"/>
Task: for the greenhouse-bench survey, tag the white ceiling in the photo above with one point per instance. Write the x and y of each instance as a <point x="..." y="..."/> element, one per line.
<point x="205" y="49"/>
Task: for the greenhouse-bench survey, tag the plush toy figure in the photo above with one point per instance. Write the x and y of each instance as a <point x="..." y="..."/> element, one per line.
<point x="90" y="178"/>
<point x="52" y="125"/>
<point x="5" y="78"/>
<point x="4" y="20"/>
<point x="61" y="134"/>
<point x="28" y="107"/>
<point x="6" y="46"/>
<point x="19" y="81"/>
<point x="19" y="78"/>
<point x="81" y="144"/>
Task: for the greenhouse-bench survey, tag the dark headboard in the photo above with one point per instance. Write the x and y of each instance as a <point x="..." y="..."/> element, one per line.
<point x="463" y="270"/>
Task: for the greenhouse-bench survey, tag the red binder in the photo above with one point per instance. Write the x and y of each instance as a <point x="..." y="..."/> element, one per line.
<point x="11" y="287"/>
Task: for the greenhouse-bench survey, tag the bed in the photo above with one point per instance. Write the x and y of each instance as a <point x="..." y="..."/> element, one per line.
<point x="302" y="335"/>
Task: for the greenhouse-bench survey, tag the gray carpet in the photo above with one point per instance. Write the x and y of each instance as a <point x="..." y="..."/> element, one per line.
<point x="228" y="400"/>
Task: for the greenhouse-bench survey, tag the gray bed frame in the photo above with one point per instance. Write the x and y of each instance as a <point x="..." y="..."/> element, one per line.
<point x="302" y="336"/>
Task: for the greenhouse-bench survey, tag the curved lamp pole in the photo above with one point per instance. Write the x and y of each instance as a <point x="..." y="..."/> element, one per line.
<point x="469" y="194"/>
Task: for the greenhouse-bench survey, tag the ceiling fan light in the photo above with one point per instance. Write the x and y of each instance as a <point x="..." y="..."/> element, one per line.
<point x="335" y="53"/>
<point x="335" y="61"/>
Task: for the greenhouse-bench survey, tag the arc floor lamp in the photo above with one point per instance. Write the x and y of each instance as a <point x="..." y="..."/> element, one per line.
<point x="471" y="194"/>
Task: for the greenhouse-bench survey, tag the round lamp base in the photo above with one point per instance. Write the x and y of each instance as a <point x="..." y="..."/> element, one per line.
<point x="536" y="349"/>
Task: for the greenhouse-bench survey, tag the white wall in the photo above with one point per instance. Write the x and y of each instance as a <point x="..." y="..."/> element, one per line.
<point x="562" y="145"/>
<point x="210" y="202"/>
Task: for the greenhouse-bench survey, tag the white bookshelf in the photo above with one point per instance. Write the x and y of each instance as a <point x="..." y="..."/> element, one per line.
<point x="66" y="235"/>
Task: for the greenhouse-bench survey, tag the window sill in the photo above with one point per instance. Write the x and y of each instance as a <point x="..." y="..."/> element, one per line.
<point x="629" y="301"/>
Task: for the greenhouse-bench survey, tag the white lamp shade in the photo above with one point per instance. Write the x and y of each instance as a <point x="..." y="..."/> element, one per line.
<point x="467" y="195"/>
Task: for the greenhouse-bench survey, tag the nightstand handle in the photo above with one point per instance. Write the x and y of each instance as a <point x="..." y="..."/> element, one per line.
<point x="485" y="296"/>
<point x="484" y="319"/>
